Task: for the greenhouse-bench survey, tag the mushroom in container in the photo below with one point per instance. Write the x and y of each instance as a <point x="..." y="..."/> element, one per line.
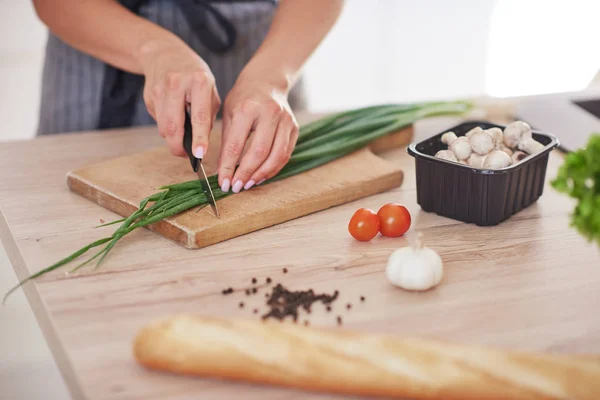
<point x="491" y="148"/>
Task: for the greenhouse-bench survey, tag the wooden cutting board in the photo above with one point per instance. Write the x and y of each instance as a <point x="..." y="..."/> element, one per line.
<point x="120" y="184"/>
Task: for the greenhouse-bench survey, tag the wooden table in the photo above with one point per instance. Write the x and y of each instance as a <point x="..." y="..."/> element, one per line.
<point x="531" y="283"/>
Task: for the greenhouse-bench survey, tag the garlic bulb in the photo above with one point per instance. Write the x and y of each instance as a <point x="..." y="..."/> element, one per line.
<point x="415" y="268"/>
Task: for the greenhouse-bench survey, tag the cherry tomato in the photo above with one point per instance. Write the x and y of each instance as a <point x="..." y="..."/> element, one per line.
<point x="394" y="220"/>
<point x="364" y="225"/>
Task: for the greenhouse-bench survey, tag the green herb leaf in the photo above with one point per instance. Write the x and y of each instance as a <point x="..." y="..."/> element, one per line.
<point x="579" y="178"/>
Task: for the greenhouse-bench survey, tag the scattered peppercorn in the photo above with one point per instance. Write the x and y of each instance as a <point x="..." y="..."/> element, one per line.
<point x="348" y="306"/>
<point x="267" y="294"/>
<point x="328" y="308"/>
<point x="339" y="320"/>
<point x="254" y="290"/>
<point x="227" y="291"/>
<point x="284" y="302"/>
<point x="285" y="270"/>
<point x="241" y="304"/>
<point x="268" y="280"/>
<point x="247" y="292"/>
<point x="362" y="298"/>
<point x="253" y="280"/>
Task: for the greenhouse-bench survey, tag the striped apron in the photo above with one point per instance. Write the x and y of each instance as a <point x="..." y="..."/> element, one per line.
<point x="73" y="81"/>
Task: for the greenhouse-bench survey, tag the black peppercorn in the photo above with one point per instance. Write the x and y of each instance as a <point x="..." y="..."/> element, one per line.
<point x="328" y="308"/>
<point x="253" y="280"/>
<point x="241" y="304"/>
<point x="268" y="280"/>
<point x="247" y="292"/>
<point x="339" y="320"/>
<point x="362" y="298"/>
<point x="284" y="303"/>
<point x="285" y="270"/>
<point x="253" y="290"/>
<point x="348" y="306"/>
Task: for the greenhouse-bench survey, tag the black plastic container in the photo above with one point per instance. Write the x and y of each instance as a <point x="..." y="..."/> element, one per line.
<point x="481" y="196"/>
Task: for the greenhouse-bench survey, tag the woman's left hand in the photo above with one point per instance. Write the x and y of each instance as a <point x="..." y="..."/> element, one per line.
<point x="261" y="109"/>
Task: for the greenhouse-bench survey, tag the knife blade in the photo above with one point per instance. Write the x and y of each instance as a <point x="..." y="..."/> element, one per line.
<point x="197" y="163"/>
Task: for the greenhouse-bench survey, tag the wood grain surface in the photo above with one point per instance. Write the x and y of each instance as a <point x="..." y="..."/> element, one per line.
<point x="120" y="184"/>
<point x="530" y="283"/>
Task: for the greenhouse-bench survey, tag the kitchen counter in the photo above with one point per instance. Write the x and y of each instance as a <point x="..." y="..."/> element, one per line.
<point x="530" y="283"/>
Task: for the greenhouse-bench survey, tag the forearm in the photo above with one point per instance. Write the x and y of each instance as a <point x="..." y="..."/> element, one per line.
<point x="104" y="29"/>
<point x="297" y="29"/>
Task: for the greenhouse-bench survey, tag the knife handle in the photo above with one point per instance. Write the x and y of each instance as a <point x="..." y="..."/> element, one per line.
<point x="187" y="140"/>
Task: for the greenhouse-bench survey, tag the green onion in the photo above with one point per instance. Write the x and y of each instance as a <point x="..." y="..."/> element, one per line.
<point x="319" y="142"/>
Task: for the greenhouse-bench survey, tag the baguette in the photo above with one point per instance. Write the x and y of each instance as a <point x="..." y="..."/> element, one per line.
<point x="337" y="361"/>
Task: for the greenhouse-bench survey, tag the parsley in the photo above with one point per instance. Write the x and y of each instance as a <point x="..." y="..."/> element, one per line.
<point x="579" y="177"/>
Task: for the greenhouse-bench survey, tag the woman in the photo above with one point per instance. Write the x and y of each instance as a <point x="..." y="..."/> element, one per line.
<point x="131" y="62"/>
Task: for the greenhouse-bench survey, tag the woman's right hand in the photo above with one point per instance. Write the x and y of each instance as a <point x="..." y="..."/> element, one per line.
<point x="175" y="74"/>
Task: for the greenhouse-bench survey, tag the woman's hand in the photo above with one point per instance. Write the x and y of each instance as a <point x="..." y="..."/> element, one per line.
<point x="257" y="107"/>
<point x="175" y="74"/>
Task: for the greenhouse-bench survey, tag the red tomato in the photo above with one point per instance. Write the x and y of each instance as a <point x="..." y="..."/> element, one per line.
<point x="364" y="225"/>
<point x="394" y="220"/>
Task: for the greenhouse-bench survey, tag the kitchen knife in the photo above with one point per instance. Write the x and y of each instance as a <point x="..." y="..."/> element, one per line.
<point x="197" y="163"/>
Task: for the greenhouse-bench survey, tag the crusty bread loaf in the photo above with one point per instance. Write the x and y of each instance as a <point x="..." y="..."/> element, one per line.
<point x="337" y="361"/>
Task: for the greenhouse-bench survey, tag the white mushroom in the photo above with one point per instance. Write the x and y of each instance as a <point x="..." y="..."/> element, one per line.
<point x="515" y="132"/>
<point x="496" y="134"/>
<point x="473" y="131"/>
<point x="518" y="156"/>
<point x="461" y="148"/>
<point x="448" y="138"/>
<point x="475" y="160"/>
<point x="497" y="159"/>
<point x="530" y="146"/>
<point x="446" y="155"/>
<point x="482" y="143"/>
<point x="506" y="150"/>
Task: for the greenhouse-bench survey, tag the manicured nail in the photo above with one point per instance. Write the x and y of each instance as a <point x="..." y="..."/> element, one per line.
<point x="237" y="186"/>
<point x="261" y="181"/>
<point x="249" y="185"/>
<point x="199" y="152"/>
<point x="225" y="185"/>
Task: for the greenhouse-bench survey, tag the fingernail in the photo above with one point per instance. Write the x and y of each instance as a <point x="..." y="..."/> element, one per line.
<point x="225" y="185"/>
<point x="199" y="152"/>
<point x="261" y="181"/>
<point x="249" y="185"/>
<point x="237" y="186"/>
